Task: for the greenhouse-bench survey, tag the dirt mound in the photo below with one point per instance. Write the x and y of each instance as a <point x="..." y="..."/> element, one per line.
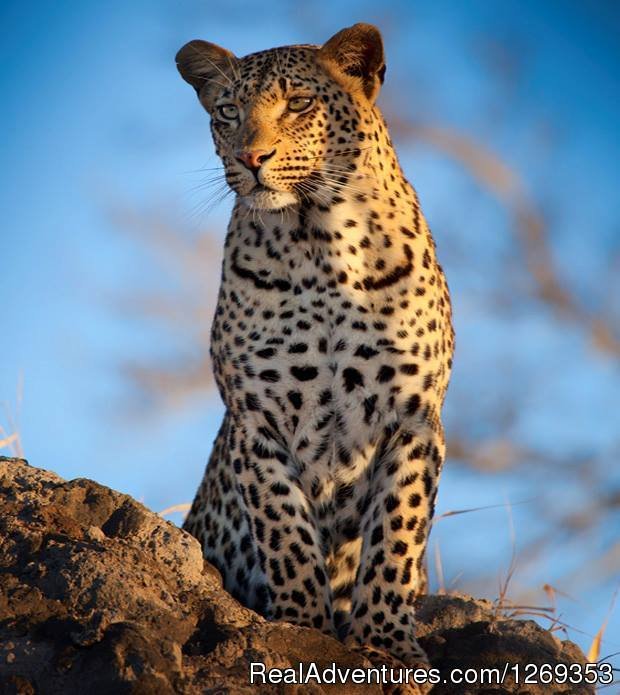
<point x="100" y="595"/>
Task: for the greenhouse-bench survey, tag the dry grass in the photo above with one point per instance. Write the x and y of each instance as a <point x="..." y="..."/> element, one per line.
<point x="10" y="438"/>
<point x="441" y="586"/>
<point x="594" y="652"/>
<point x="175" y="508"/>
<point x="507" y="608"/>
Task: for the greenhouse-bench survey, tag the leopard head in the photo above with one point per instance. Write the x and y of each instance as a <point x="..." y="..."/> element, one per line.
<point x="291" y="123"/>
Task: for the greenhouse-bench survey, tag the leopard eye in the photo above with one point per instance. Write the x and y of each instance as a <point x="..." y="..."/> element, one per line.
<point x="300" y="104"/>
<point x="228" y="111"/>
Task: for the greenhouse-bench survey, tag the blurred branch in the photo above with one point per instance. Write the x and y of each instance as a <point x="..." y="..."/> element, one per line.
<point x="492" y="174"/>
<point x="183" y="309"/>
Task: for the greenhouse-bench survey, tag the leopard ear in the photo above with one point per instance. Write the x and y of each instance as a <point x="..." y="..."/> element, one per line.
<point x="205" y="65"/>
<point x="356" y="54"/>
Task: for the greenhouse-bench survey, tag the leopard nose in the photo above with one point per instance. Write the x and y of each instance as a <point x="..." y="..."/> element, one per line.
<point x="253" y="159"/>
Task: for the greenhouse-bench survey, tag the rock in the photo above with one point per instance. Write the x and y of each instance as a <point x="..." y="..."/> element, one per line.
<point x="465" y="633"/>
<point x="100" y="595"/>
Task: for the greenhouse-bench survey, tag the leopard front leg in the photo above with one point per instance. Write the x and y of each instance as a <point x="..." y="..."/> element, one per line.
<point x="285" y="535"/>
<point x="396" y="512"/>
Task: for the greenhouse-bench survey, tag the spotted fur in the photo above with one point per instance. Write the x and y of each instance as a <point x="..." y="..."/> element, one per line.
<point x="332" y="347"/>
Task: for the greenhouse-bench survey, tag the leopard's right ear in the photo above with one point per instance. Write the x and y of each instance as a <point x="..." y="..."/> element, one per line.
<point x="205" y="65"/>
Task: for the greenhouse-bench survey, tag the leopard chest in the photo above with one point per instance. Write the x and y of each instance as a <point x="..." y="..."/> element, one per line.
<point x="320" y="361"/>
<point x="277" y="346"/>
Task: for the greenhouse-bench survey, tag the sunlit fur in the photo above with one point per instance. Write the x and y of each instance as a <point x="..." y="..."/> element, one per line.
<point x="332" y="349"/>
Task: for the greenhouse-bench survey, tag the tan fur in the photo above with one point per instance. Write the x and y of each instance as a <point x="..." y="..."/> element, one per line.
<point x="332" y="348"/>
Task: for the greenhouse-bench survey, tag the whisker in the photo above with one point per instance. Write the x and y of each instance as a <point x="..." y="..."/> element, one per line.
<point x="351" y="173"/>
<point x="199" y="171"/>
<point x="336" y="185"/>
<point x="233" y="67"/>
<point x="209" y="182"/>
<point x="208" y="79"/>
<point x="218" y="188"/>
<point x="339" y="154"/>
<point x="313" y="190"/>
<point x="222" y="73"/>
<point x="337" y="176"/>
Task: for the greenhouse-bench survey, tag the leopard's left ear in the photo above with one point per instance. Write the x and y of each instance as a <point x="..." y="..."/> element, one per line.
<point x="356" y="54"/>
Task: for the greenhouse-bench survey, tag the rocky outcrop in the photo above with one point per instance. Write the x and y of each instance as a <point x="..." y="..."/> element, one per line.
<point x="100" y="595"/>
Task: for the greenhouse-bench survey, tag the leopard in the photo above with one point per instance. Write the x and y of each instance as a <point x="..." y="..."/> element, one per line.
<point x="331" y="347"/>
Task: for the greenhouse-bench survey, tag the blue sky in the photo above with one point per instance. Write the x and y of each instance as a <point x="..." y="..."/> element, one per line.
<point x="96" y="119"/>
